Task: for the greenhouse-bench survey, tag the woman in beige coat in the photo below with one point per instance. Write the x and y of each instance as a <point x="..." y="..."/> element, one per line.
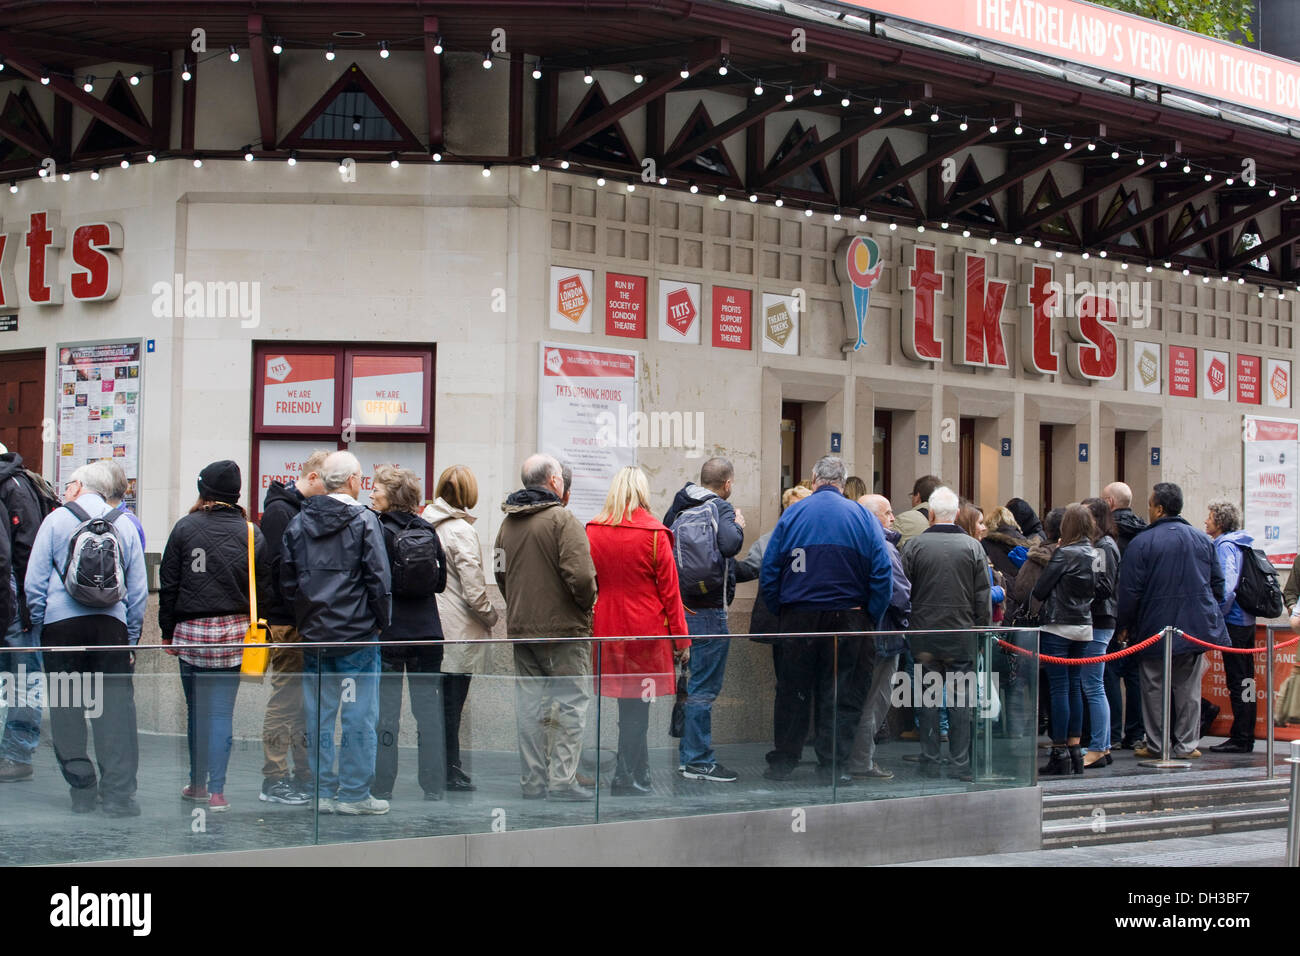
<point x="464" y="606"/>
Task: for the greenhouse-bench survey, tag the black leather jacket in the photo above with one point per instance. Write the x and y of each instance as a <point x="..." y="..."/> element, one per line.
<point x="1106" y="601"/>
<point x="1068" y="585"/>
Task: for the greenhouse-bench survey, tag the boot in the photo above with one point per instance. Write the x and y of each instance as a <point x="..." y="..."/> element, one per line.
<point x="1076" y="759"/>
<point x="1058" y="763"/>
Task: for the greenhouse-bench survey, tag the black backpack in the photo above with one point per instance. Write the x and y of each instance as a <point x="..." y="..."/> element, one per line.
<point x="417" y="561"/>
<point x="1257" y="589"/>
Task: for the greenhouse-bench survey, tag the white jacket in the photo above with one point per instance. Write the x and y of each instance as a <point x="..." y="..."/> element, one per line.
<point x="464" y="607"/>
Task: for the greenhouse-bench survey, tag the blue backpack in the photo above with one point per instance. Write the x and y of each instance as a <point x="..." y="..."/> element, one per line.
<point x="701" y="568"/>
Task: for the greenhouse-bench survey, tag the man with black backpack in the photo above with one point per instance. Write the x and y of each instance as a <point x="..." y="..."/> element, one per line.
<point x="86" y="588"/>
<point x="25" y="500"/>
<point x="707" y="533"/>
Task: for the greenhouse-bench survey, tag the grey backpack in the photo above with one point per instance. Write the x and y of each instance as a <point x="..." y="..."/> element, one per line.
<point x="95" y="572"/>
<point x="701" y="568"/>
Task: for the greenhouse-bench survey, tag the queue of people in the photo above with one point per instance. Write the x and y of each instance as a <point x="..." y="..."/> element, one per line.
<point x="851" y="589"/>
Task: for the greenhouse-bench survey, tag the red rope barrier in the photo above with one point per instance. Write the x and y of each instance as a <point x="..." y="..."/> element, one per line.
<point x="1072" y="661"/>
<point x="1239" y="650"/>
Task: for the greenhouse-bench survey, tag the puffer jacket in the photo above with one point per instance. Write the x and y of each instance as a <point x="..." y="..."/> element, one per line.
<point x="1068" y="585"/>
<point x="1105" y="603"/>
<point x="204" y="570"/>
<point x="414" y="618"/>
<point x="463" y="605"/>
<point x="334" y="572"/>
<point x="545" y="572"/>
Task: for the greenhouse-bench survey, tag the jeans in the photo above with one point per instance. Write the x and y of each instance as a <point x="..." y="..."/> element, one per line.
<point x="1237" y="669"/>
<point x="210" y="709"/>
<point x="424" y="682"/>
<point x="342" y="686"/>
<point x="1094" y="692"/>
<point x="1125" y="701"/>
<point x="1064" y="682"/>
<point x="708" y="667"/>
<point x="22" y="730"/>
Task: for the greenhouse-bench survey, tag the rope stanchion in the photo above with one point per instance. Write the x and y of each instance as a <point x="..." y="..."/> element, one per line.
<point x="1075" y="661"/>
<point x="1238" y="650"/>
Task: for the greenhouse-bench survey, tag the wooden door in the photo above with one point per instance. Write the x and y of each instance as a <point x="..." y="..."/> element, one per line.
<point x="22" y="404"/>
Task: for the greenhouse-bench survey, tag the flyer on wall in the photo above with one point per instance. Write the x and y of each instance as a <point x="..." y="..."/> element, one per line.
<point x="1271" y="449"/>
<point x="99" y="410"/>
<point x="586" y="397"/>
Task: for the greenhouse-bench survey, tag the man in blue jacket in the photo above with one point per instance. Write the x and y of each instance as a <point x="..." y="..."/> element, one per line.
<point x="1170" y="576"/>
<point x="334" y="573"/>
<point x="826" y="569"/>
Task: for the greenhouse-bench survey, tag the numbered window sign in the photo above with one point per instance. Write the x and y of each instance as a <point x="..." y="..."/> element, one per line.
<point x="923" y="444"/>
<point x="1083" y="451"/>
<point x="1006" y="448"/>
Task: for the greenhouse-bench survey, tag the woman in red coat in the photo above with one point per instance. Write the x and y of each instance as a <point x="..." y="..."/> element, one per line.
<point x="639" y="597"/>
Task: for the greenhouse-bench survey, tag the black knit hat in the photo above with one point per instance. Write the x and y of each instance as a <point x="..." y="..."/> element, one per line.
<point x="220" y="481"/>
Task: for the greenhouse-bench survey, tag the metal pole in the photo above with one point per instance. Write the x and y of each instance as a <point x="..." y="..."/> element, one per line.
<point x="1166" y="706"/>
<point x="1293" y="812"/>
<point x="1269" y="745"/>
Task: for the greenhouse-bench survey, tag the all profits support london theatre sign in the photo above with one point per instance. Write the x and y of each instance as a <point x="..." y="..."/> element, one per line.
<point x="1119" y="43"/>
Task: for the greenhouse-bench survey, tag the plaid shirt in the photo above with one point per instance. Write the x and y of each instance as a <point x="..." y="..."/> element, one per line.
<point x="193" y="640"/>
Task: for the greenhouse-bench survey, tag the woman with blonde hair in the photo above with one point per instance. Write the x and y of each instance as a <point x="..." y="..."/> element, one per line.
<point x="639" y="597"/>
<point x="464" y="606"/>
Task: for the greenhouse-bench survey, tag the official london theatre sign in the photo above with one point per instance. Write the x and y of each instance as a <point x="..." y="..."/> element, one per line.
<point x="95" y="275"/>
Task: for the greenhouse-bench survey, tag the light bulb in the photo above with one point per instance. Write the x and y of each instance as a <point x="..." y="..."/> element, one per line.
<point x="277" y="47"/>
<point x="487" y="62"/>
<point x="89" y="84"/>
<point x="487" y="170"/>
<point x="186" y="75"/>
<point x="94" y="174"/>
<point x="135" y="79"/>
<point x="329" y="51"/>
<point x="234" y="54"/>
<point x="383" y="49"/>
<point x="537" y="74"/>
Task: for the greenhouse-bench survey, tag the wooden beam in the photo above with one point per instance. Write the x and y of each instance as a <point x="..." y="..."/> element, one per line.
<point x="27" y="139"/>
<point x="1224" y="223"/>
<point x="850" y="133"/>
<point x="433" y="84"/>
<point x="189" y="105"/>
<point x="1042" y="160"/>
<point x="515" y="106"/>
<point x="266" y="79"/>
<point x="1144" y="216"/>
<point x="756" y="112"/>
<point x="1284" y="238"/>
<point x="160" y="119"/>
<point x="920" y="164"/>
<point x="64" y="88"/>
<point x="700" y="55"/>
<point x="1031" y="220"/>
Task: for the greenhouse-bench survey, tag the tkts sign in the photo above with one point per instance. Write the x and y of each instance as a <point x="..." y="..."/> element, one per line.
<point x="96" y="270"/>
<point x="978" y="340"/>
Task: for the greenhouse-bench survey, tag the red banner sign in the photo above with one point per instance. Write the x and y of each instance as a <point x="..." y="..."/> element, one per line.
<point x="1182" y="371"/>
<point x="625" y="305"/>
<point x="1248" y="379"/>
<point x="732" y="310"/>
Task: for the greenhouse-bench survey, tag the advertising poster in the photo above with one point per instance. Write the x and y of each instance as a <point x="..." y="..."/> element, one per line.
<point x="1269" y="488"/>
<point x="387" y="391"/>
<point x="1214" y="375"/>
<point x="1144" y="376"/>
<point x="570" y="297"/>
<point x="731" y="318"/>
<point x="1248" y="367"/>
<point x="625" y="305"/>
<point x="1214" y="688"/>
<point x="780" y="324"/>
<point x="1277" y="383"/>
<point x="99" y="410"/>
<point x="299" y="391"/>
<point x="281" y="461"/>
<point x="1182" y="371"/>
<point x="679" y="312"/>
<point x="587" y="417"/>
<point x="372" y="454"/>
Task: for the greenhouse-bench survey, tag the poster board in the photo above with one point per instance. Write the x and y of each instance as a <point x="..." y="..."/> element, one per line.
<point x="98" y="392"/>
<point x="1271" y="447"/>
<point x="587" y="409"/>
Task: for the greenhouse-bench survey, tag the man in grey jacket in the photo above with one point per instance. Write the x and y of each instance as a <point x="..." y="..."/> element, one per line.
<point x="949" y="573"/>
<point x="334" y="574"/>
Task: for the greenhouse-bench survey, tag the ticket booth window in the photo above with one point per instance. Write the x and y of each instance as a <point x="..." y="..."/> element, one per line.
<point x="881" y="452"/>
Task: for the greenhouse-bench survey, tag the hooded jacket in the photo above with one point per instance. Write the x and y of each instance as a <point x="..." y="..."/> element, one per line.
<point x="1170" y="576"/>
<point x="1128" y="525"/>
<point x="545" y="569"/>
<point x="413" y="618"/>
<point x="730" y="535"/>
<point x="1026" y="518"/>
<point x="1228" y="547"/>
<point x="1068" y="585"/>
<point x="218" y="586"/>
<point x="21" y="512"/>
<point x="282" y="503"/>
<point x="334" y="572"/>
<point x="464" y="606"/>
<point x="1022" y="589"/>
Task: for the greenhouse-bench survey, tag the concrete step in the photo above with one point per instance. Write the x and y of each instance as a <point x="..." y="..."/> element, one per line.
<point x="1162" y="825"/>
<point x="1064" y="806"/>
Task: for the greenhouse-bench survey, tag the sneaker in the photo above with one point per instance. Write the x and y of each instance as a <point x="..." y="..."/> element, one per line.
<point x="282" y="791"/>
<point x="12" y="770"/>
<point x="708" y="771"/>
<point x="874" y="773"/>
<point x="369" y="806"/>
<point x="1191" y="756"/>
<point x="1143" y="752"/>
<point x="326" y="805"/>
<point x="195" y="794"/>
<point x="217" y="803"/>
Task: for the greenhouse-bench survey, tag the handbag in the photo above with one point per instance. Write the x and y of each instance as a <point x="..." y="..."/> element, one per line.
<point x="1286" y="708"/>
<point x="256" y="639"/>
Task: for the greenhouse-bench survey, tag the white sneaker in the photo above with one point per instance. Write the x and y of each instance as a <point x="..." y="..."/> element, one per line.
<point x="370" y="806"/>
<point x="326" y="805"/>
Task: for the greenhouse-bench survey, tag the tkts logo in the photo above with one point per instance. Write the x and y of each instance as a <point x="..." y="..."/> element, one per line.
<point x="1280" y="383"/>
<point x="1217" y="376"/>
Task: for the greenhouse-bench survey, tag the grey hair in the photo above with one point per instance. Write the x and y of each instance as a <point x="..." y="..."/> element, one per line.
<point x="830" y="470"/>
<point x="338" y="468"/>
<point x="944" y="504"/>
<point x="1226" y="515"/>
<point x="538" y="471"/>
<point x="567" y="474"/>
<point x="120" y="484"/>
<point x="97" y="478"/>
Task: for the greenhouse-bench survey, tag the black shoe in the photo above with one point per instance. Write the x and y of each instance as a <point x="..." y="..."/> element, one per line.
<point x="83" y="801"/>
<point x="1126" y="743"/>
<point x="1058" y="764"/>
<point x="628" y="788"/>
<point x="458" y="780"/>
<point x="964" y="776"/>
<point x="282" y="791"/>
<point x="708" y="771"/>
<point x="382" y="794"/>
<point x="121" y="807"/>
<point x="778" y="771"/>
<point x="1076" y="758"/>
<point x="1232" y="747"/>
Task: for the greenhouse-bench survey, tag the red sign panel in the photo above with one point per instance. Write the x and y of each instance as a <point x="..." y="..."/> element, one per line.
<point x="731" y="318"/>
<point x="681" y="310"/>
<point x="1248" y="367"/>
<point x="1182" y="371"/>
<point x="625" y="305"/>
